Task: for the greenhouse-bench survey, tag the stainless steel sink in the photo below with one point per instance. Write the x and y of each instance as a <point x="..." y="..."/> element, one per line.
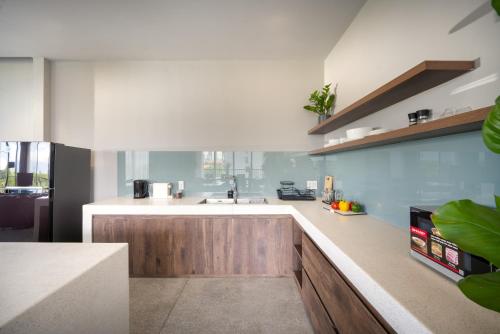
<point x="251" y="200"/>
<point x="242" y="200"/>
<point x="218" y="201"/>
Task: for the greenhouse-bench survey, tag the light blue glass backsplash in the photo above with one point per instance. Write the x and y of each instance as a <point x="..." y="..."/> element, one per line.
<point x="386" y="179"/>
<point x="205" y="173"/>
<point x="390" y="179"/>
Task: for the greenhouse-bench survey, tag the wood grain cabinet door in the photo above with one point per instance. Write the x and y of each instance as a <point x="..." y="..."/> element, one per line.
<point x="169" y="246"/>
<point x="160" y="245"/>
<point x="320" y="320"/>
<point x="191" y="246"/>
<point x="348" y="312"/>
<point x="253" y="246"/>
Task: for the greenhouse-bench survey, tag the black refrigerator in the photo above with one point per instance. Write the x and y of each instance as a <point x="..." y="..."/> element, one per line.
<point x="43" y="186"/>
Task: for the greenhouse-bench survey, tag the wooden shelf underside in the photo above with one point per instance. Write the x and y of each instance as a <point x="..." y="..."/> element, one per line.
<point x="424" y="76"/>
<point x="465" y="122"/>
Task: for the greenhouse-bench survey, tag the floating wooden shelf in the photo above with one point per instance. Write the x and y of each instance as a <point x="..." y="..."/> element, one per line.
<point x="424" y="76"/>
<point x="468" y="121"/>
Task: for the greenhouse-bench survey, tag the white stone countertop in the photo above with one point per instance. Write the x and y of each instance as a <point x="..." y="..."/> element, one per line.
<point x="374" y="255"/>
<point x="31" y="272"/>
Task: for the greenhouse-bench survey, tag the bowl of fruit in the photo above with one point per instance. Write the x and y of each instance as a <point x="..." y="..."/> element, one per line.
<point x="348" y="208"/>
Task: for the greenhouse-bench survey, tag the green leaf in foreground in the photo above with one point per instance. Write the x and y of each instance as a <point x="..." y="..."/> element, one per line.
<point x="483" y="289"/>
<point x="497" y="202"/>
<point x="496" y="5"/>
<point x="491" y="128"/>
<point x="473" y="227"/>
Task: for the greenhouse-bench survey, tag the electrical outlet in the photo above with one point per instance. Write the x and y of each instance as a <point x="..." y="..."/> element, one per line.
<point x="180" y="186"/>
<point x="312" y="184"/>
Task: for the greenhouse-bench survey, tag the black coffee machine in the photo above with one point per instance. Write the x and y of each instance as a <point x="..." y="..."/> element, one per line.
<point x="140" y="188"/>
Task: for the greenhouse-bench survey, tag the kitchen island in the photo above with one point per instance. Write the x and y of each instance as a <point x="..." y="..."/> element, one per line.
<point x="370" y="253"/>
<point x="60" y="287"/>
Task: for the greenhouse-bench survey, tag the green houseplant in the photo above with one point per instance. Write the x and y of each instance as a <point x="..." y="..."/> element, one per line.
<point x="475" y="228"/>
<point x="321" y="103"/>
<point x="496" y="5"/>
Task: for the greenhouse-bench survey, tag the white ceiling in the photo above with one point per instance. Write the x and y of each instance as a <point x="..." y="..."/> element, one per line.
<point x="168" y="29"/>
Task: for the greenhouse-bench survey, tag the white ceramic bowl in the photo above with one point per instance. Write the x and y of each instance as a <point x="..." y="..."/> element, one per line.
<point x="358" y="133"/>
<point x="333" y="141"/>
<point x="377" y="132"/>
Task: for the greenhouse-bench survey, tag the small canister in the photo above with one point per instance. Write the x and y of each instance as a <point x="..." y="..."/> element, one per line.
<point x="423" y="115"/>
<point x="412" y="117"/>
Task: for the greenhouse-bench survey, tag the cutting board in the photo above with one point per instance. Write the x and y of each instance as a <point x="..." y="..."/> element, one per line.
<point x="348" y="213"/>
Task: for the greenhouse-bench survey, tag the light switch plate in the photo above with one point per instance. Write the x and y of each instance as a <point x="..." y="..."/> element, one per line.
<point x="312" y="184"/>
<point x="180" y="186"/>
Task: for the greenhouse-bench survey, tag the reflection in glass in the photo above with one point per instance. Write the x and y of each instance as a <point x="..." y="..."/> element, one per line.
<point x="24" y="164"/>
<point x="206" y="172"/>
<point x="387" y="179"/>
<point x="136" y="166"/>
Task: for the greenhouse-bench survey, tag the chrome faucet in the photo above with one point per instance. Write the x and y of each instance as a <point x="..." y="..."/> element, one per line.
<point x="234" y="185"/>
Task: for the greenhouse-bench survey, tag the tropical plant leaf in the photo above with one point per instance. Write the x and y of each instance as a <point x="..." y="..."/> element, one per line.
<point x="483" y="289"/>
<point x="329" y="102"/>
<point x="326" y="89"/>
<point x="491" y="128"/>
<point x="496" y="5"/>
<point x="473" y="227"/>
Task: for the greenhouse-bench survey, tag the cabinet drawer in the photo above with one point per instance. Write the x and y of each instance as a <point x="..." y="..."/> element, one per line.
<point x="348" y="312"/>
<point x="320" y="320"/>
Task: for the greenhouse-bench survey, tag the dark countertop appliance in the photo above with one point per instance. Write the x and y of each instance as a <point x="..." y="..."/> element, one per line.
<point x="430" y="248"/>
<point x="43" y="186"/>
<point x="288" y="192"/>
<point x="141" y="188"/>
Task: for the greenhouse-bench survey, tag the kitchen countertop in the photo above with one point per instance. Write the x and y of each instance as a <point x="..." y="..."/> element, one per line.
<point x="32" y="272"/>
<point x="374" y="255"/>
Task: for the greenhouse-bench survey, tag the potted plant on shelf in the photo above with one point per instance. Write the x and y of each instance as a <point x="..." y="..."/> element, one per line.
<point x="322" y="102"/>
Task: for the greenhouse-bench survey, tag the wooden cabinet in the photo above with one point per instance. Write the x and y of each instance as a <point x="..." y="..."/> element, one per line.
<point x="246" y="245"/>
<point x="346" y="308"/>
<point x="320" y="320"/>
<point x="253" y="245"/>
<point x="297" y="254"/>
<point x="169" y="246"/>
<point x="160" y="246"/>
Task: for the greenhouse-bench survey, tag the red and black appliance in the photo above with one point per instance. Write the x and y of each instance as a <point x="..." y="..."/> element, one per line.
<point x="428" y="246"/>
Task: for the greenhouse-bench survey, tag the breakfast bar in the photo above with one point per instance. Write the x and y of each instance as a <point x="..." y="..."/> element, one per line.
<point x="41" y="281"/>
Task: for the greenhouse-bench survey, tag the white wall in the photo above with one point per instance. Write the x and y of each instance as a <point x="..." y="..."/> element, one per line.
<point x="41" y="99"/>
<point x="72" y="87"/>
<point x="24" y="99"/>
<point x="16" y="99"/>
<point x="184" y="105"/>
<point x="180" y="105"/>
<point x="104" y="174"/>
<point x="204" y="105"/>
<point x="389" y="36"/>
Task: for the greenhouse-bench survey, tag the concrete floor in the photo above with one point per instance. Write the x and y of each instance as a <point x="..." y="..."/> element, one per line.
<point x="216" y="305"/>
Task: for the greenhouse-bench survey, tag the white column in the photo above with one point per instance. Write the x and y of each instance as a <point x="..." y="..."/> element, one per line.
<point x="41" y="99"/>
